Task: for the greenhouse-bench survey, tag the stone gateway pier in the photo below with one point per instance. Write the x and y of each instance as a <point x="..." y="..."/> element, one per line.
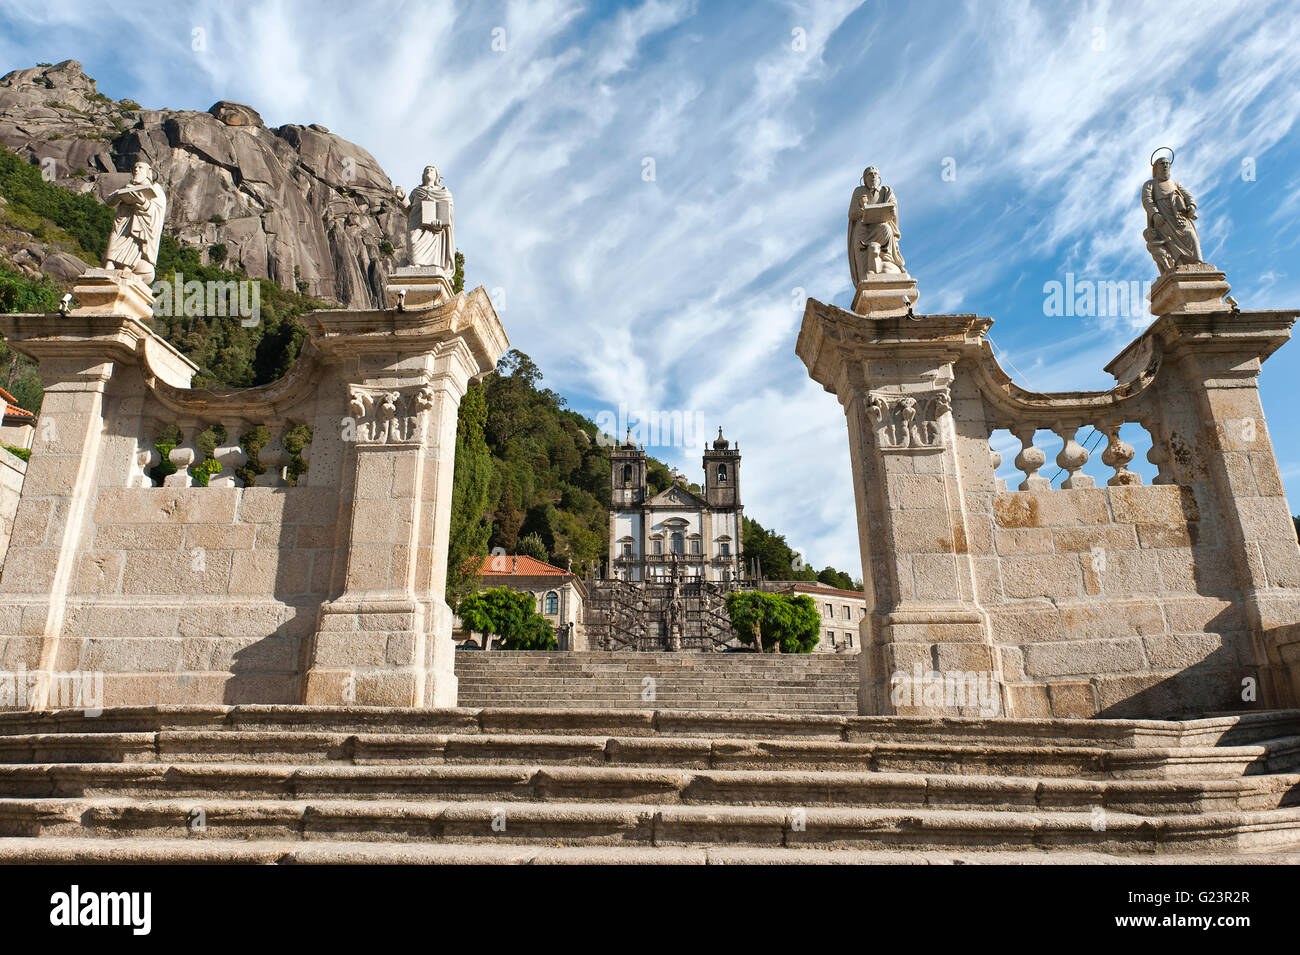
<point x="1180" y="597"/>
<point x="244" y="591"/>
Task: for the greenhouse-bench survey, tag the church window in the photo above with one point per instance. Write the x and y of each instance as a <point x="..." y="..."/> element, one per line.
<point x="722" y="474"/>
<point x="552" y="602"/>
<point x="724" y="548"/>
<point x="658" y="545"/>
<point x="677" y="544"/>
<point x="695" y="545"/>
<point x="627" y="550"/>
<point x="627" y="474"/>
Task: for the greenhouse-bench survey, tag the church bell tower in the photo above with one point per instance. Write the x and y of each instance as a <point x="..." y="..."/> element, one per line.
<point x="627" y="474"/>
<point x="722" y="473"/>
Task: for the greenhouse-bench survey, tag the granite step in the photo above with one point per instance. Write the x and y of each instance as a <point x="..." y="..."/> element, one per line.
<point x="201" y="782"/>
<point x="668" y="751"/>
<point x="653" y="825"/>
<point x="296" y="784"/>
<point x="90" y="851"/>
<point x="75" y="729"/>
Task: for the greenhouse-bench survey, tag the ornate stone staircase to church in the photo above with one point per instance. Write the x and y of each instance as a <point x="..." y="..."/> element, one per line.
<point x="292" y="784"/>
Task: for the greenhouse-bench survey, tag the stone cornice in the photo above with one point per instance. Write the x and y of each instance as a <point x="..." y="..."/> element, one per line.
<point x="392" y="332"/>
<point x="108" y="337"/>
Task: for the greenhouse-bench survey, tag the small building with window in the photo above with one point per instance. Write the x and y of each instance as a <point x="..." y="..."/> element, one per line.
<point x="559" y="594"/>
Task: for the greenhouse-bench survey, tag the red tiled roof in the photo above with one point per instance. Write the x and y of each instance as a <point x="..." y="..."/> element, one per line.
<point x="520" y="566"/>
<point x="11" y="407"/>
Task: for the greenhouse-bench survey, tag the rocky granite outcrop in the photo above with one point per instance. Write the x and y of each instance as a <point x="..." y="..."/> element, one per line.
<point x="296" y="204"/>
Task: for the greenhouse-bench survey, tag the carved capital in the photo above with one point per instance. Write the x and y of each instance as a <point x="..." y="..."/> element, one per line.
<point x="389" y="415"/>
<point x="909" y="420"/>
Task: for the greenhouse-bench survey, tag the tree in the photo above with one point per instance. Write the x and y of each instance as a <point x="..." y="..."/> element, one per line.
<point x="780" y="623"/>
<point x="776" y="559"/>
<point x="836" y="578"/>
<point x="531" y="545"/>
<point x="509" y="614"/>
<point x="470" y="497"/>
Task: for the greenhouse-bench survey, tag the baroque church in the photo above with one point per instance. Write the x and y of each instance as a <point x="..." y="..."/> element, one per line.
<point x="677" y="532"/>
<point x="673" y="557"/>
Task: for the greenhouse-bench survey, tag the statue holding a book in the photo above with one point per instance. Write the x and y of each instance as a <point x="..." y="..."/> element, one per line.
<point x="873" y="229"/>
<point x="430" y="236"/>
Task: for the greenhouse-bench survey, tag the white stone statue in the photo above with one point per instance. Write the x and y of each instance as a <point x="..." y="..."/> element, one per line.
<point x="1171" y="233"/>
<point x="873" y="229"/>
<point x="141" y="209"/>
<point x="430" y="235"/>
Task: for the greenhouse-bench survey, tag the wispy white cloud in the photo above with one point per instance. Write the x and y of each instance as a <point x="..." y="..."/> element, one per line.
<point x="679" y="289"/>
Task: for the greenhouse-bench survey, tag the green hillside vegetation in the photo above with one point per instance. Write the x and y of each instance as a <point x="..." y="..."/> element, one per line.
<point x="549" y="483"/>
<point x="34" y="203"/>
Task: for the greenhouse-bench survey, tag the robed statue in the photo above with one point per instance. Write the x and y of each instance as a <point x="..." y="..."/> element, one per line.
<point x="141" y="208"/>
<point x="430" y="236"/>
<point x="1171" y="233"/>
<point x="873" y="229"/>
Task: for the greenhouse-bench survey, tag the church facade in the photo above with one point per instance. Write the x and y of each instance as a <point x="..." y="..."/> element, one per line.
<point x="676" y="533"/>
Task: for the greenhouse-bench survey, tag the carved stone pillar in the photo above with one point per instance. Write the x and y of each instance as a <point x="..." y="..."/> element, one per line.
<point x="895" y="379"/>
<point x="397" y="378"/>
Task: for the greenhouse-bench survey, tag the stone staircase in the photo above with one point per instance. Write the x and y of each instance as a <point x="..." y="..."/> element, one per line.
<point x="294" y="784"/>
<point x="785" y="683"/>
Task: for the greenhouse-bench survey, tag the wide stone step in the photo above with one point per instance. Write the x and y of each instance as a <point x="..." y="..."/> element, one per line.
<point x="91" y="851"/>
<point x="653" y="825"/>
<point x="1233" y="730"/>
<point x="202" y="782"/>
<point x="680" y="752"/>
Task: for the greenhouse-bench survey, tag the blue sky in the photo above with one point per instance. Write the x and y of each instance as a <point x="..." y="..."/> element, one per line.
<point x="1015" y="135"/>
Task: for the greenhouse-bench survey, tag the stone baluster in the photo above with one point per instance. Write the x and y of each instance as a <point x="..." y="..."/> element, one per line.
<point x="1072" y="457"/>
<point x="184" y="455"/>
<point x="146" y="454"/>
<point x="274" y="458"/>
<point x="1117" y="455"/>
<point x="230" y="455"/>
<point x="995" y="459"/>
<point x="1030" y="459"/>
<point x="1158" y="453"/>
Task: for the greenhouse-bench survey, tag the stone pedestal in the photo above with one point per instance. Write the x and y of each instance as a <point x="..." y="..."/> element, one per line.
<point x="417" y="287"/>
<point x="885" y="293"/>
<point x="112" y="292"/>
<point x="1190" y="288"/>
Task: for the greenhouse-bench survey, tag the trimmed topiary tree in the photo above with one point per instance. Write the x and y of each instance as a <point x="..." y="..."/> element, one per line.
<point x="509" y="614"/>
<point x="775" y="623"/>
